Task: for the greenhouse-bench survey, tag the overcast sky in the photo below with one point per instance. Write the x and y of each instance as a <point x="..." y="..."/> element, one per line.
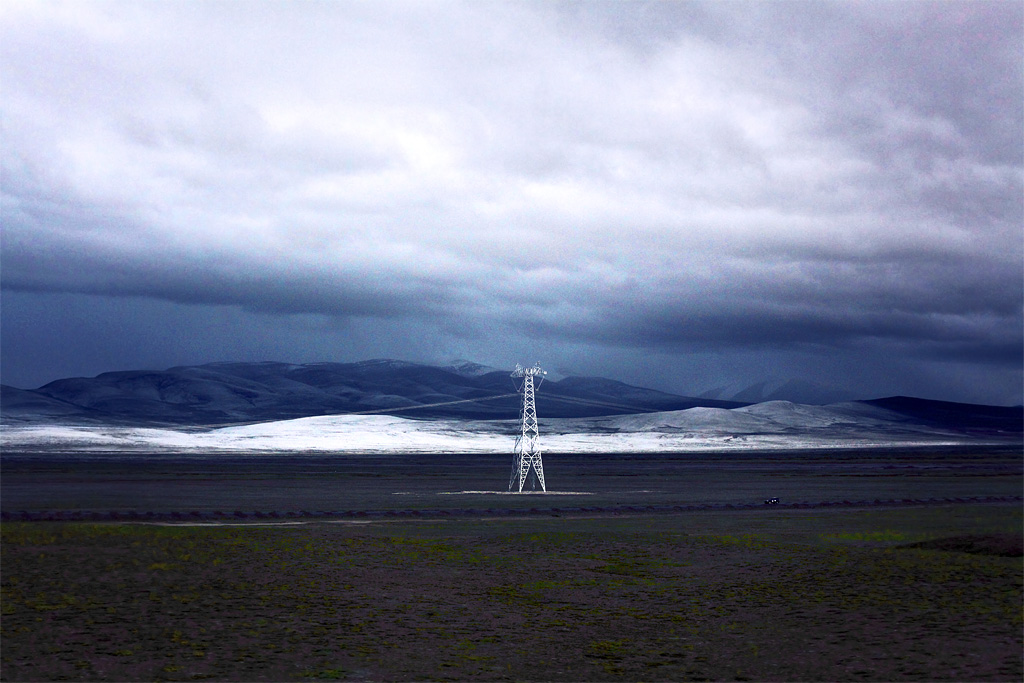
<point x="674" y="194"/>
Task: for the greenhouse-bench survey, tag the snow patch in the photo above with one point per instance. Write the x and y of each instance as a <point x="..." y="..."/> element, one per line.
<point x="771" y="425"/>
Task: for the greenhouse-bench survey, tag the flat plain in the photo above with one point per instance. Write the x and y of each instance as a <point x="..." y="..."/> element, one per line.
<point x="605" y="581"/>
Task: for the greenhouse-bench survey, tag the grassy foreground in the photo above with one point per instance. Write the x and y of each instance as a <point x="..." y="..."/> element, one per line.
<point x="754" y="595"/>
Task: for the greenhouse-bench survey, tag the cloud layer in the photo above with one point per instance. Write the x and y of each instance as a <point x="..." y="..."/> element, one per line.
<point x="649" y="178"/>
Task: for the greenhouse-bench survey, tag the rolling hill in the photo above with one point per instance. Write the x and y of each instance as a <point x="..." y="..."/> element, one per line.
<point x="401" y="406"/>
<point x="224" y="393"/>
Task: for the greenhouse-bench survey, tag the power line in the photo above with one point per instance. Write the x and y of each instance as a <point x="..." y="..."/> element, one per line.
<point x="584" y="401"/>
<point x="429" y="405"/>
<point x="553" y="397"/>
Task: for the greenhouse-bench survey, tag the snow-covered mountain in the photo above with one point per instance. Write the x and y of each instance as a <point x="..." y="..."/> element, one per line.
<point x="468" y="368"/>
<point x="396" y="406"/>
<point x="774" y="417"/>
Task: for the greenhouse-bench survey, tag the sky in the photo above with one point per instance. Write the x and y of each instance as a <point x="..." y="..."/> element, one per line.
<point x="679" y="195"/>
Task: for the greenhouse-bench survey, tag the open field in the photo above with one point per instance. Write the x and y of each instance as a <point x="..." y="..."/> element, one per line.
<point x="745" y="595"/>
<point x="164" y="483"/>
<point x="415" y="572"/>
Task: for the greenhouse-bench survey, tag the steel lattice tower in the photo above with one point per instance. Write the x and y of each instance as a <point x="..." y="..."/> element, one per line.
<point x="527" y="468"/>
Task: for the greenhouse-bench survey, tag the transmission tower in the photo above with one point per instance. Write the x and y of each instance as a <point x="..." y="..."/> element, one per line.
<point x="527" y="468"/>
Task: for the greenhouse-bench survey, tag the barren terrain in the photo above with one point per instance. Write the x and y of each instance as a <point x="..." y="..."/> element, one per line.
<point x="530" y="588"/>
<point x="816" y="595"/>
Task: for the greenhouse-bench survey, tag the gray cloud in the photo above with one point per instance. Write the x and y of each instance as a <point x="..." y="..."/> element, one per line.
<point x="649" y="178"/>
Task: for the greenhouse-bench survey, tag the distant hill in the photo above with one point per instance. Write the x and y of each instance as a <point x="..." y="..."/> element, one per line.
<point x="237" y="393"/>
<point x="961" y="417"/>
<point x="226" y="393"/>
<point x="772" y="425"/>
<point x="777" y="389"/>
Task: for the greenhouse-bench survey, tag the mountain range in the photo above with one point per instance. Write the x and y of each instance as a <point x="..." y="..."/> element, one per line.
<point x="780" y="389"/>
<point x="220" y="394"/>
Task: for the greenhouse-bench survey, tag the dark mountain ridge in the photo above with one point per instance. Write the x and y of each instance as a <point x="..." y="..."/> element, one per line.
<point x="231" y="393"/>
<point x="222" y="393"/>
<point x="962" y="417"/>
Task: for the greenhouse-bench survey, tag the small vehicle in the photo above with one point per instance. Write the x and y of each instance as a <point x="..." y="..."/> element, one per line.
<point x="771" y="501"/>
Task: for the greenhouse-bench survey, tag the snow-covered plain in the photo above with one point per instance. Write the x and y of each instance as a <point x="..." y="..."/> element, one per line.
<point x="771" y="425"/>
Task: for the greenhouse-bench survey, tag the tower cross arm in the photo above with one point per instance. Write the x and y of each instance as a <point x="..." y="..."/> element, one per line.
<point x="520" y="371"/>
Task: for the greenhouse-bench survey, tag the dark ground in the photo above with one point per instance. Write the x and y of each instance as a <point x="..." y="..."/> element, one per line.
<point x="162" y="483"/>
<point x="918" y="591"/>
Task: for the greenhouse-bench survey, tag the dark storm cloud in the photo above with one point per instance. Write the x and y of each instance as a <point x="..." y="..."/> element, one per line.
<point x="816" y="306"/>
<point x="86" y="263"/>
<point x="646" y="178"/>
